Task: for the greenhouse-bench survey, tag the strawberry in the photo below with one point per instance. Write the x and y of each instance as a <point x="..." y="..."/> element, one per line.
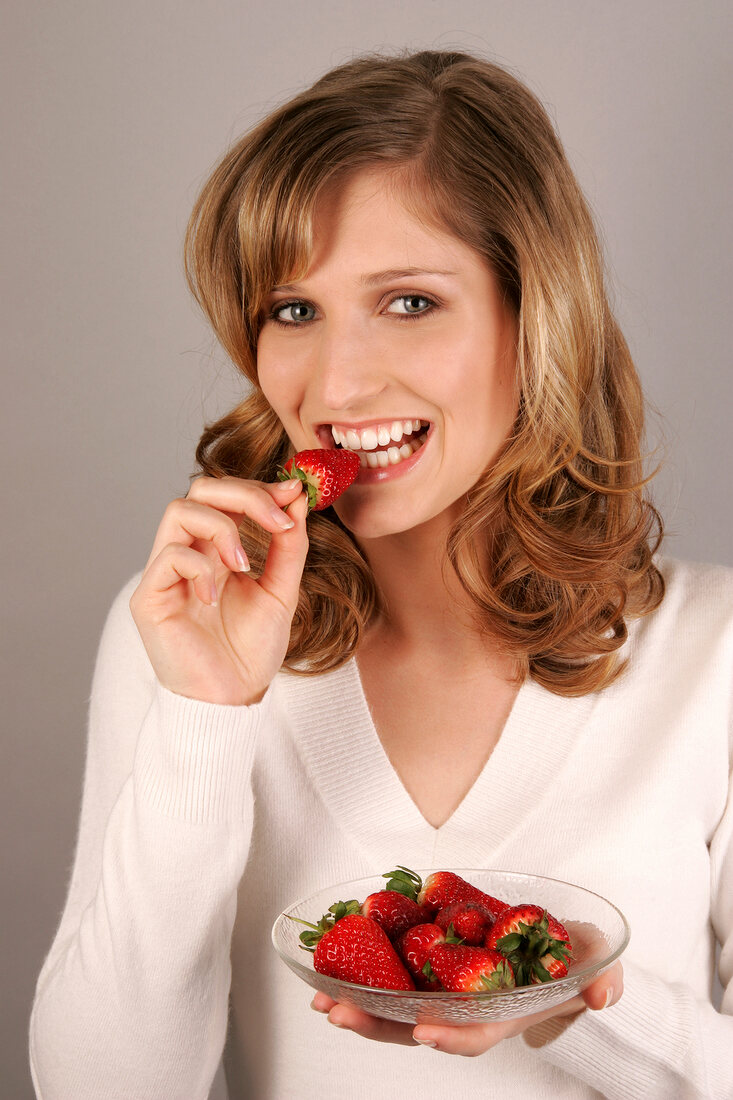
<point x="339" y="909"/>
<point x="357" y="949"/>
<point x="440" y="889"/>
<point x="393" y="911"/>
<point x="414" y="947"/>
<point x="325" y="474"/>
<point x="470" y="919"/>
<point x="354" y="948"/>
<point x="444" y="887"/>
<point x="463" y="969"/>
<point x="535" y="943"/>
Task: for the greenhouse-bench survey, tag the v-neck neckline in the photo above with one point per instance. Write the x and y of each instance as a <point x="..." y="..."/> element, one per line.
<point x="341" y="750"/>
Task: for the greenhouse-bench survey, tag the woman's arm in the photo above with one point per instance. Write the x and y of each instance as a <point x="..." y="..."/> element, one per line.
<point x="660" y="1041"/>
<point x="132" y="999"/>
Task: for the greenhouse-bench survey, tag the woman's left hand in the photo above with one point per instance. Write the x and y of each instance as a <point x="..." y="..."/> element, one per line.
<point x="468" y="1039"/>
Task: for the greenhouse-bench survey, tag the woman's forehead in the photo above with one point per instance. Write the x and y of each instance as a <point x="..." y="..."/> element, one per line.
<point x="375" y="215"/>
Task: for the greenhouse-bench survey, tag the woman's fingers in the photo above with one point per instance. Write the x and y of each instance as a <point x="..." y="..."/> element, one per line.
<point x="286" y="556"/>
<point x="186" y="522"/>
<point x="176" y="563"/>
<point x="211" y="512"/>
<point x="261" y="501"/>
<point x="469" y="1040"/>
<point x="606" y="990"/>
<point x="369" y="1027"/>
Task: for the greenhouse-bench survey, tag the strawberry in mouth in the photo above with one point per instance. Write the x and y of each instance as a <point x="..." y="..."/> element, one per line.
<point x="379" y="445"/>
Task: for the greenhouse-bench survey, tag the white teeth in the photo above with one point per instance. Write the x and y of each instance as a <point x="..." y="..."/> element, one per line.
<point x="378" y="435"/>
<point x="390" y="456"/>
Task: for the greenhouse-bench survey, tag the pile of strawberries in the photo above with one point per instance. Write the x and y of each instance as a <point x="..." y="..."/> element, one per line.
<point x="443" y="934"/>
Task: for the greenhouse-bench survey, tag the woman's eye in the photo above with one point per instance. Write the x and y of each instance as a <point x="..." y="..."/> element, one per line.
<point x="297" y="313"/>
<point x="293" y="312"/>
<point x="414" y="304"/>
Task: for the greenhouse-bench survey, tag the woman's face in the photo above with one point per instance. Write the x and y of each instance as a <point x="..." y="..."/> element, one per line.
<point x="396" y="344"/>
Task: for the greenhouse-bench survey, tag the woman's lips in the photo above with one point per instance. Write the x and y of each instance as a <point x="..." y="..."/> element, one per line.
<point x="381" y="462"/>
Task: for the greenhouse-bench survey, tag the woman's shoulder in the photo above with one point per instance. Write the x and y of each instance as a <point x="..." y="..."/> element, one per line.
<point x="694" y="587"/>
<point x="695" y="618"/>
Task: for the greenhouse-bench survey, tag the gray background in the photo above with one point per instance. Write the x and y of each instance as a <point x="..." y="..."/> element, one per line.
<point x="112" y="116"/>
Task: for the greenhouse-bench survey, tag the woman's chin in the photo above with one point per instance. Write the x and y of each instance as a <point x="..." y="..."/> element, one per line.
<point x="369" y="519"/>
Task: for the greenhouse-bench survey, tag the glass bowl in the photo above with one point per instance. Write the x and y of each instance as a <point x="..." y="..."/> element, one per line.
<point x="598" y="931"/>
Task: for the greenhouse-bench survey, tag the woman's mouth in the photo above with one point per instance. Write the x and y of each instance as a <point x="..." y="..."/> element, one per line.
<point x="378" y="446"/>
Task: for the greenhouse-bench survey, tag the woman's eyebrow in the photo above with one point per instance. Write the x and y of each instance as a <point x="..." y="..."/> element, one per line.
<point x="378" y="277"/>
<point x="399" y="273"/>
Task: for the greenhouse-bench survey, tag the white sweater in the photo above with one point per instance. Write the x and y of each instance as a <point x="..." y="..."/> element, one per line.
<point x="200" y="822"/>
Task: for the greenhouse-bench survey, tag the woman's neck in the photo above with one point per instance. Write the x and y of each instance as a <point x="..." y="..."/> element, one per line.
<point x="426" y="609"/>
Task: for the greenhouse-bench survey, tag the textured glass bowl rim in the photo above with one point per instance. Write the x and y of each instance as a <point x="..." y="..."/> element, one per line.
<point x="441" y="995"/>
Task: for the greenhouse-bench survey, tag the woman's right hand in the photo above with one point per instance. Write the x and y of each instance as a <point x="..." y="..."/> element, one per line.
<point x="211" y="631"/>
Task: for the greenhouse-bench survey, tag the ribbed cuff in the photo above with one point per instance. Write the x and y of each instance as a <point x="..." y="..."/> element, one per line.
<point x="194" y="759"/>
<point x="639" y="1047"/>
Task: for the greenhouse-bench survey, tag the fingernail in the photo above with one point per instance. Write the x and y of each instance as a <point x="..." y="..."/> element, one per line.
<point x="315" y="1007"/>
<point x="426" y="1042"/>
<point x="289" y="484"/>
<point x="280" y="518"/>
<point x="241" y="560"/>
<point x="609" y="997"/>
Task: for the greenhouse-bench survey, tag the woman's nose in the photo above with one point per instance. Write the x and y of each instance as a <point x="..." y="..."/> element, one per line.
<point x="350" y="369"/>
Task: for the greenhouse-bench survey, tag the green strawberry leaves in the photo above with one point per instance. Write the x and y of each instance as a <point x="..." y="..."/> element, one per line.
<point x="404" y="881"/>
<point x="310" y="488"/>
<point x="526" y="949"/>
<point x="310" y="939"/>
<point x="450" y="935"/>
<point x="501" y="978"/>
<point x="429" y="972"/>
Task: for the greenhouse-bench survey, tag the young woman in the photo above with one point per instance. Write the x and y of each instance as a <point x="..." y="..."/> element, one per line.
<point x="476" y="658"/>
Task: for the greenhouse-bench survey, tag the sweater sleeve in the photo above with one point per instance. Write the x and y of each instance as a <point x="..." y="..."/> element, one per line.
<point x="659" y="1040"/>
<point x="132" y="999"/>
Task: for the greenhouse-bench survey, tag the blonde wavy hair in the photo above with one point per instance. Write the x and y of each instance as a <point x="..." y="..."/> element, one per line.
<point x="556" y="541"/>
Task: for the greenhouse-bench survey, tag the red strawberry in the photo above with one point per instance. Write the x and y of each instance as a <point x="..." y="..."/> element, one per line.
<point x="470" y="919"/>
<point x="440" y="889"/>
<point x="535" y="943"/>
<point x="357" y="949"/>
<point x="464" y="969"/>
<point x="556" y="968"/>
<point x="354" y="948"/>
<point x="325" y="474"/>
<point x="393" y="911"/>
<point x="414" y="947"/>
